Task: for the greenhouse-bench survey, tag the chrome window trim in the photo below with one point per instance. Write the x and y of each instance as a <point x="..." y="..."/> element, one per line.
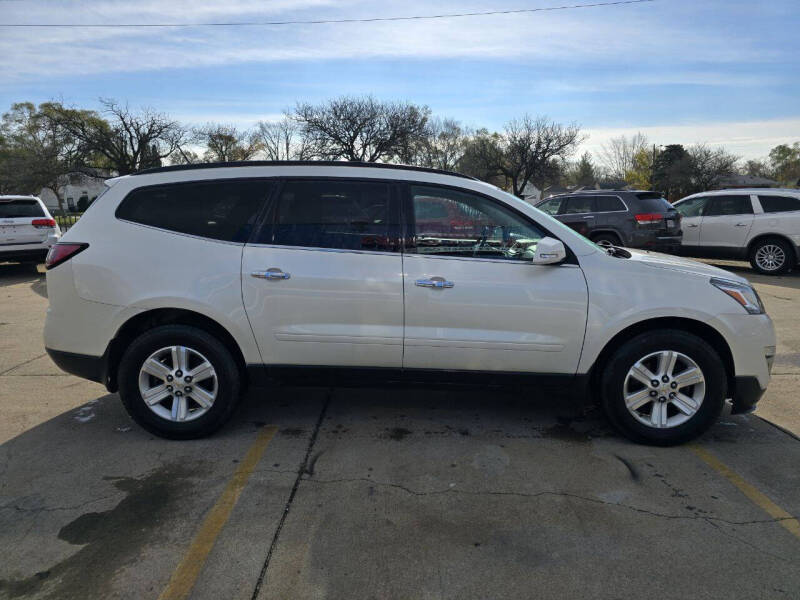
<point x="172" y="231"/>
<point x="337" y="250"/>
<point x="503" y="261"/>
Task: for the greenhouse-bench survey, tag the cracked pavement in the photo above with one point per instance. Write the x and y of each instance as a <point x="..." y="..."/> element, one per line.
<point x="387" y="493"/>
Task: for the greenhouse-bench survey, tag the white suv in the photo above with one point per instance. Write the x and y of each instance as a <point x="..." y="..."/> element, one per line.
<point x="183" y="285"/>
<point x="761" y="225"/>
<point x="27" y="229"/>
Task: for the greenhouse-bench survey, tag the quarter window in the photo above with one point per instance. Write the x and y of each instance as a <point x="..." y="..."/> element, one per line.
<point x="468" y="225"/>
<point x="729" y="205"/>
<point x="608" y="204"/>
<point x="219" y="210"/>
<point x="772" y="204"/>
<point x="346" y="215"/>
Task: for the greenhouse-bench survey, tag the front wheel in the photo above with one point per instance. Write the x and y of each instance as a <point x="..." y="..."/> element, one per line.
<point x="663" y="387"/>
<point x="179" y="382"/>
<point x="771" y="256"/>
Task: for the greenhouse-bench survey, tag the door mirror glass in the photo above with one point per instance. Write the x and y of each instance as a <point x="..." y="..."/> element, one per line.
<point x="549" y="251"/>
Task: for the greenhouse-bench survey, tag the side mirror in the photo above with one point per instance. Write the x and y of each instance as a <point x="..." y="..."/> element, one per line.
<point x="549" y="251"/>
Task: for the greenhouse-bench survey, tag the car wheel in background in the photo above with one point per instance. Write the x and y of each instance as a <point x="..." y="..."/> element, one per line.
<point x="179" y="382"/>
<point x="772" y="256"/>
<point x="663" y="387"/>
<point x="607" y="239"/>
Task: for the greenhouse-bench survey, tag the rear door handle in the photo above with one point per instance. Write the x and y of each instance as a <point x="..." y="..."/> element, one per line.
<point x="434" y="282"/>
<point x="272" y="273"/>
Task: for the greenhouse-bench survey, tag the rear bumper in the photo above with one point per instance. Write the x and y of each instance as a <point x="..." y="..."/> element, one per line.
<point x="746" y="394"/>
<point x="82" y="365"/>
<point x="23" y="254"/>
<point x="657" y="241"/>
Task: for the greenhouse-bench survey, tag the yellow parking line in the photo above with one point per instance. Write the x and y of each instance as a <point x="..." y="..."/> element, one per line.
<point x="788" y="521"/>
<point x="185" y="575"/>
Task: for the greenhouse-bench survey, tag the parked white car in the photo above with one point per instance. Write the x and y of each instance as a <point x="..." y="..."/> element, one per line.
<point x="183" y="285"/>
<point x="761" y="225"/>
<point x="27" y="229"/>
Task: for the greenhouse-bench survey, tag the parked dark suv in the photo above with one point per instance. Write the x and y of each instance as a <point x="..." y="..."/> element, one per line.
<point x="622" y="218"/>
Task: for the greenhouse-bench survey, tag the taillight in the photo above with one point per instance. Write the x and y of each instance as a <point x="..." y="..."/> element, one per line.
<point x="43" y="223"/>
<point x="62" y="251"/>
<point x="645" y="218"/>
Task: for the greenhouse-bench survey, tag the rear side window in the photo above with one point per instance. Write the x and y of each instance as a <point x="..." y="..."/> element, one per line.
<point x="20" y="208"/>
<point x="345" y="215"/>
<point x="772" y="204"/>
<point x="219" y="210"/>
<point x="608" y="204"/>
<point x="577" y="205"/>
<point x="728" y="205"/>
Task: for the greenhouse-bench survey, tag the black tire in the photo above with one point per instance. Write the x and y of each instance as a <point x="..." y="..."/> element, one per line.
<point x="611" y="238"/>
<point x="615" y="370"/>
<point x="228" y="381"/>
<point x="790" y="258"/>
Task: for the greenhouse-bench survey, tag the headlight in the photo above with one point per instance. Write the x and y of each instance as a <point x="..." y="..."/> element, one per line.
<point x="742" y="293"/>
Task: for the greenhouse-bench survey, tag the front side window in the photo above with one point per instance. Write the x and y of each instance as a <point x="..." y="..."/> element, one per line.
<point x="551" y="206"/>
<point x="468" y="225"/>
<point x="729" y="205"/>
<point x="337" y="214"/>
<point x="219" y="210"/>
<point x="693" y="207"/>
<point x="772" y="204"/>
<point x="577" y="205"/>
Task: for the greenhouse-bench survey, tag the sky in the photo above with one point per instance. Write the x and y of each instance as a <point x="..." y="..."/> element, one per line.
<point x="719" y="72"/>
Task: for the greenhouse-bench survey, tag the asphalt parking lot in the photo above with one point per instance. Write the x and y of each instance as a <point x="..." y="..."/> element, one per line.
<point x="387" y="493"/>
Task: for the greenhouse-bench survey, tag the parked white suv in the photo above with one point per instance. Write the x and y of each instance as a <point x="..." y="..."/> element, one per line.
<point x="761" y="225"/>
<point x="183" y="285"/>
<point x="27" y="229"/>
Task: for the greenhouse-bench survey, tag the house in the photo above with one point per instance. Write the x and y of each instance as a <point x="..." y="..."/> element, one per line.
<point x="531" y="194"/>
<point x="744" y="181"/>
<point x="554" y="190"/>
<point x="86" y="184"/>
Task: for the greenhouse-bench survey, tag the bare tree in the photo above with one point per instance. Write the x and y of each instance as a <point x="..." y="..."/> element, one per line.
<point x="618" y="156"/>
<point x="360" y="128"/>
<point x="709" y="165"/>
<point x="127" y="141"/>
<point x="442" y="144"/>
<point x="283" y="140"/>
<point x="226" y="143"/>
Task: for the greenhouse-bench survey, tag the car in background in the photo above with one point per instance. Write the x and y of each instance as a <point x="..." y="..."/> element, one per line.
<point x="760" y="225"/>
<point x="27" y="229"/>
<point x="637" y="219"/>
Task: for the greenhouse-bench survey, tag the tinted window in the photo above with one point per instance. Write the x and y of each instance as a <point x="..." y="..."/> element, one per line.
<point x="550" y="206"/>
<point x="729" y="205"/>
<point x="772" y="204"/>
<point x="20" y="208"/>
<point x="347" y="215"/>
<point x="220" y="210"/>
<point x="608" y="204"/>
<point x="471" y="226"/>
<point x="577" y="205"/>
<point x="692" y="207"/>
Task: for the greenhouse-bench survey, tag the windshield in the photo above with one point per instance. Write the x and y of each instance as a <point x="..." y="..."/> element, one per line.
<point x="20" y="208"/>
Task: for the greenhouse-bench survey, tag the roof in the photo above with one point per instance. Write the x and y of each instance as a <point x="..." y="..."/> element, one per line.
<point x="297" y="163"/>
<point x="746" y="180"/>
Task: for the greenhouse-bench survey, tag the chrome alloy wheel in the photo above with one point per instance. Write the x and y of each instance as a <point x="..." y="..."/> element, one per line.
<point x="770" y="257"/>
<point x="664" y="389"/>
<point x="178" y="383"/>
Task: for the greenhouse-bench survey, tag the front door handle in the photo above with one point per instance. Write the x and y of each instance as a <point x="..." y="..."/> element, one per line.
<point x="691" y="225"/>
<point x="434" y="282"/>
<point x="272" y="273"/>
<point x="741" y="225"/>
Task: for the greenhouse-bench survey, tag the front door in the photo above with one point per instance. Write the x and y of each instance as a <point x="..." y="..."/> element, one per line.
<point x="726" y="221"/>
<point x="322" y="282"/>
<point x="474" y="300"/>
<point x="691" y="212"/>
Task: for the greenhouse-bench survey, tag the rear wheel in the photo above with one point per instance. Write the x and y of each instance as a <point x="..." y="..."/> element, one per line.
<point x="179" y="382"/>
<point x="663" y="387"/>
<point x="772" y="256"/>
<point x="611" y="239"/>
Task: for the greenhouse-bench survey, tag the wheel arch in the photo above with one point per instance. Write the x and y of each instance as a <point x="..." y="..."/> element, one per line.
<point x="144" y="321"/>
<point x="765" y="236"/>
<point x="698" y="328"/>
<point x="605" y="229"/>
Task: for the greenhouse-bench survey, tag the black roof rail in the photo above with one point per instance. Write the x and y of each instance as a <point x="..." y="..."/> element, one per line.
<point x="298" y="163"/>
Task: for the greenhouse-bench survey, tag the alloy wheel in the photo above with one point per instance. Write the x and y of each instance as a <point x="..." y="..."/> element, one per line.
<point x="178" y="383"/>
<point x="664" y="389"/>
<point x="770" y="257"/>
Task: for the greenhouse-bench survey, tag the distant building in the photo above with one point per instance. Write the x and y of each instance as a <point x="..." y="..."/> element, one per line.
<point x="554" y="190"/>
<point x="531" y="194"/>
<point x="744" y="181"/>
<point x="87" y="184"/>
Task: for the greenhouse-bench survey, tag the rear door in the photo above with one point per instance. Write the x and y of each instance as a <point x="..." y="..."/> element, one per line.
<point x="726" y="221"/>
<point x="322" y="280"/>
<point x="17" y="218"/>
